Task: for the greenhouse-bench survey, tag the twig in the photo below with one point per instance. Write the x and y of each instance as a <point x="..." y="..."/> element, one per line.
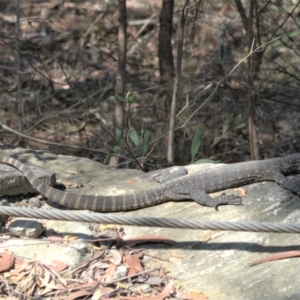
<point x="121" y="71"/>
<point x="18" y="67"/>
<point x="224" y="78"/>
<point x="214" y="91"/>
<point x="148" y="21"/>
<point x="56" y="144"/>
<point x="176" y="90"/>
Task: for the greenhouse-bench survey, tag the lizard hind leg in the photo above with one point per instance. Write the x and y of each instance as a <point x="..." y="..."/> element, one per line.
<point x="206" y="200"/>
<point x="292" y="184"/>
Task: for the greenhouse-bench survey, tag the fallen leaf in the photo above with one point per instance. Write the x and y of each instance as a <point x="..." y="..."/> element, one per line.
<point x="277" y="256"/>
<point x="7" y="261"/>
<point x="133" y="298"/>
<point x="190" y="296"/>
<point x="176" y="255"/>
<point x="70" y="237"/>
<point x="114" y="256"/>
<point x="133" y="262"/>
<point x="107" y="226"/>
<point x="102" y="291"/>
<point x="166" y="292"/>
<point x="78" y="294"/>
<point x="55" y="265"/>
<point x="53" y="236"/>
<point x="241" y="192"/>
<point x="108" y="276"/>
<point x="96" y="248"/>
<point x="206" y="238"/>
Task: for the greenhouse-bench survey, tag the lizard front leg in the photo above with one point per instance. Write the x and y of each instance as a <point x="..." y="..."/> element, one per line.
<point x="204" y="199"/>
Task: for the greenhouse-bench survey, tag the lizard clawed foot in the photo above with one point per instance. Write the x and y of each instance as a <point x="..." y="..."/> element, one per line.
<point x="227" y="200"/>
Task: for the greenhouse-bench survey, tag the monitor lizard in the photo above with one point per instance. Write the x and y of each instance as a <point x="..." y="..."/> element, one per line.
<point x="195" y="186"/>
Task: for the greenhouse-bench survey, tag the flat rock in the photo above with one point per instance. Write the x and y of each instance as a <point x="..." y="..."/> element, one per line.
<point x="26" y="228"/>
<point x="12" y="182"/>
<point x="213" y="262"/>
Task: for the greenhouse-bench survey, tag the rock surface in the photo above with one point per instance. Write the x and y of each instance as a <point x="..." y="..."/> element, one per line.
<point x="213" y="262"/>
<point x="12" y="182"/>
<point x="26" y="228"/>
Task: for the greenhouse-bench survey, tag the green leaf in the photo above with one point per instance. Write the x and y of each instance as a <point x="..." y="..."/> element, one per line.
<point x="222" y="53"/>
<point x="129" y="97"/>
<point x="107" y="158"/>
<point x="116" y="150"/>
<point x="120" y="98"/>
<point x="225" y="129"/>
<point x="240" y="126"/>
<point x="113" y="143"/>
<point x="228" y="106"/>
<point x="146" y="141"/>
<point x="134" y="137"/>
<point x="186" y="88"/>
<point x="216" y="139"/>
<point x="231" y="118"/>
<point x="118" y="134"/>
<point x="196" y="143"/>
<point x="237" y="120"/>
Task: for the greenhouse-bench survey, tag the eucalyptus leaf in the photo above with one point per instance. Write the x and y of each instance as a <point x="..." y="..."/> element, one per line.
<point x="216" y="139"/>
<point x="237" y="120"/>
<point x="231" y="118"/>
<point x="222" y="53"/>
<point x="118" y="134"/>
<point x="113" y="143"/>
<point x="228" y="106"/>
<point x="120" y="98"/>
<point x="146" y="141"/>
<point x="196" y="142"/>
<point x="240" y="126"/>
<point x="134" y="137"/>
<point x="116" y="150"/>
<point x="225" y="129"/>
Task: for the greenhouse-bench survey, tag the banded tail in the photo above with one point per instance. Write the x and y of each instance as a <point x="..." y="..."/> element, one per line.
<point x="95" y="203"/>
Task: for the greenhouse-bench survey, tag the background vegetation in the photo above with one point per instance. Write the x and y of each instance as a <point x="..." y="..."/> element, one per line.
<point x="100" y="75"/>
